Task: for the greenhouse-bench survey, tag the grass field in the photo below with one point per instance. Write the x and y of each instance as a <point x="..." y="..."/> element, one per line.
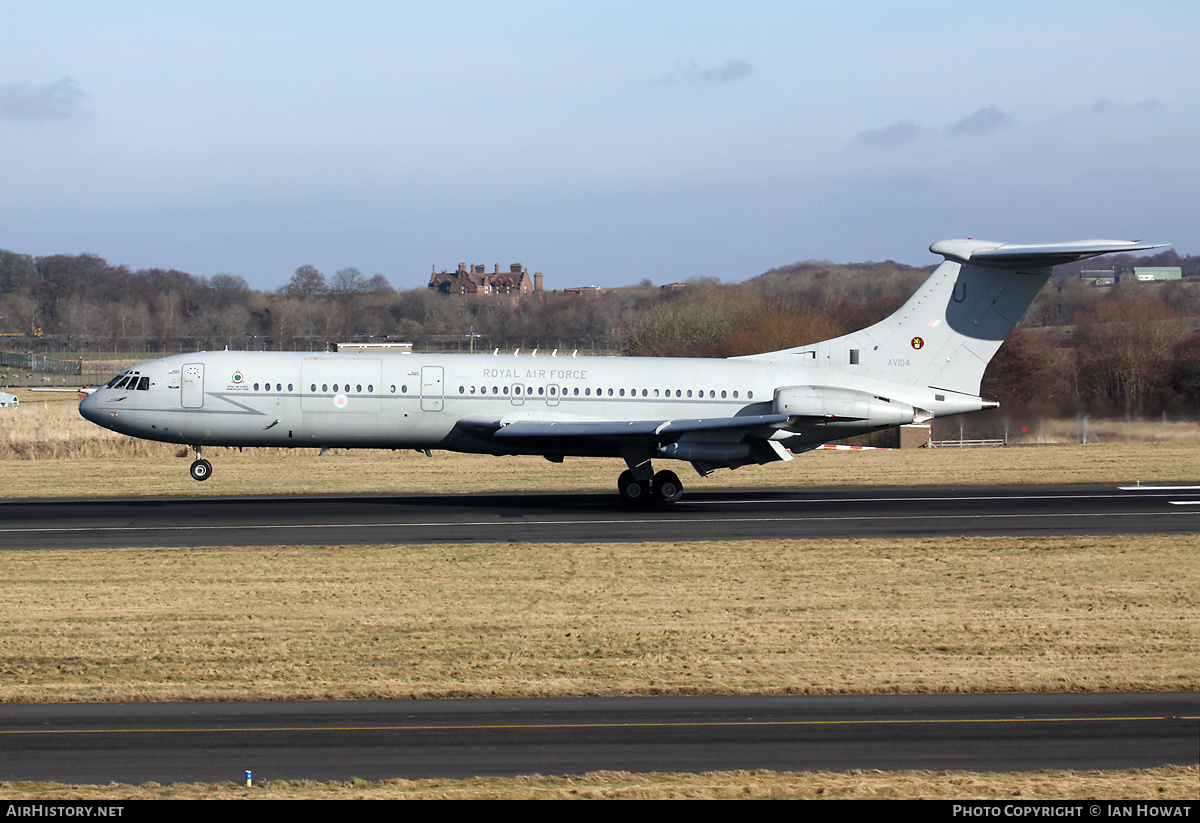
<point x="517" y="620"/>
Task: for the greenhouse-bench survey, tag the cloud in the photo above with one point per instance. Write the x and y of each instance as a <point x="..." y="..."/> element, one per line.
<point x="732" y="71"/>
<point x="984" y="121"/>
<point x="60" y="100"/>
<point x="729" y="72"/>
<point x="888" y="137"/>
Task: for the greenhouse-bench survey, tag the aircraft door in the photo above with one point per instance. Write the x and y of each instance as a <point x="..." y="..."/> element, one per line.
<point x="517" y="393"/>
<point x="432" y="399"/>
<point x="552" y="394"/>
<point x="191" y="387"/>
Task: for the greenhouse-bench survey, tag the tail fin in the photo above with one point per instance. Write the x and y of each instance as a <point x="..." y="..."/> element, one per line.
<point x="952" y="326"/>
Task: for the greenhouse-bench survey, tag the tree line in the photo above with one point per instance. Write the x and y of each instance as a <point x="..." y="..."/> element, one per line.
<point x="1129" y="349"/>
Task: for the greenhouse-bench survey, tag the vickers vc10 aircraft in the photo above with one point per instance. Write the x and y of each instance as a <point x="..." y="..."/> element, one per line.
<point x="926" y="360"/>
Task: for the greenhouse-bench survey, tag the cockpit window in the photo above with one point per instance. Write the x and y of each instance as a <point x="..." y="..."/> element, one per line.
<point x="130" y="381"/>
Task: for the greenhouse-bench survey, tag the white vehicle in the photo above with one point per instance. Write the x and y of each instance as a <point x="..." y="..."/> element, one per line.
<point x="7" y="399"/>
<point x="926" y="360"/>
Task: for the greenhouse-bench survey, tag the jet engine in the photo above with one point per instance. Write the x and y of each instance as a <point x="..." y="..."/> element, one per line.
<point x="842" y="408"/>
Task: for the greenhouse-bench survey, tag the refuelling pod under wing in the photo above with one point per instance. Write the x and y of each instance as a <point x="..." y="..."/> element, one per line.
<point x="837" y="408"/>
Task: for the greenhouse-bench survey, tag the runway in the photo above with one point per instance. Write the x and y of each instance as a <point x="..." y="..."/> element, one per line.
<point x="375" y="740"/>
<point x="587" y="517"/>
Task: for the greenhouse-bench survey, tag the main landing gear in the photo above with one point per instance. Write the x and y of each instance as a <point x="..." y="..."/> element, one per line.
<point x="200" y="469"/>
<point x="662" y="488"/>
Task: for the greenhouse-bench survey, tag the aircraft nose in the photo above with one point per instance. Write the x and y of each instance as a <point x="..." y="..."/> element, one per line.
<point x="89" y="409"/>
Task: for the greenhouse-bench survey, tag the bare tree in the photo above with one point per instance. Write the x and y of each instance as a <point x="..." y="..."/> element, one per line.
<point x="306" y="282"/>
<point x="348" y="281"/>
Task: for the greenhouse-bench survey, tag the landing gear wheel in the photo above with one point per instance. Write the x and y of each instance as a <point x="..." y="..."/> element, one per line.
<point x="634" y="492"/>
<point x="667" y="488"/>
<point x="201" y="470"/>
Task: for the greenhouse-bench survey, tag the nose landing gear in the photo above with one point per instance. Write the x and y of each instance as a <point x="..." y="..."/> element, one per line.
<point x="200" y="469"/>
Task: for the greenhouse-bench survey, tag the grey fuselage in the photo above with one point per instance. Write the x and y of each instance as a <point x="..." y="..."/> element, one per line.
<point x="452" y="401"/>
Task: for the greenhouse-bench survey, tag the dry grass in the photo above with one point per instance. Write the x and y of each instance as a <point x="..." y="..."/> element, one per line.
<point x="1099" y="431"/>
<point x="512" y="620"/>
<point x="1167" y="783"/>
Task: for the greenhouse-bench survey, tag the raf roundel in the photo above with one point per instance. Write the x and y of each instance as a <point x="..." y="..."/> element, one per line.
<point x="917" y="342"/>
<point x="340" y="401"/>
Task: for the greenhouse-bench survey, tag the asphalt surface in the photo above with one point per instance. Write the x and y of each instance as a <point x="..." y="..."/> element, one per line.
<point x="579" y="517"/>
<point x="374" y="740"/>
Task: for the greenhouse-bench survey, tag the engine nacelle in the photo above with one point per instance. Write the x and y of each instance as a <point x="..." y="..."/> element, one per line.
<point x="842" y="408"/>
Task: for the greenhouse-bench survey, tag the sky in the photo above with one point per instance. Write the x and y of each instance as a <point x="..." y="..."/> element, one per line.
<point x="598" y="142"/>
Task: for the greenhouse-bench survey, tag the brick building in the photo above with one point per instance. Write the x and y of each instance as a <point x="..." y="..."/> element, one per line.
<point x="474" y="279"/>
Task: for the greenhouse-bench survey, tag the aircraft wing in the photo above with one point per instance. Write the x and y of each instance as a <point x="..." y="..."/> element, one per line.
<point x="707" y="442"/>
<point x="662" y="430"/>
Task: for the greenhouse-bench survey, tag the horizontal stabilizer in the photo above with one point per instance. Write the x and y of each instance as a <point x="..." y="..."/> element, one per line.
<point x="1009" y="256"/>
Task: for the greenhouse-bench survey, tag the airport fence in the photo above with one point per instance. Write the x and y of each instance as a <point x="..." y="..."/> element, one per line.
<point x="36" y="362"/>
